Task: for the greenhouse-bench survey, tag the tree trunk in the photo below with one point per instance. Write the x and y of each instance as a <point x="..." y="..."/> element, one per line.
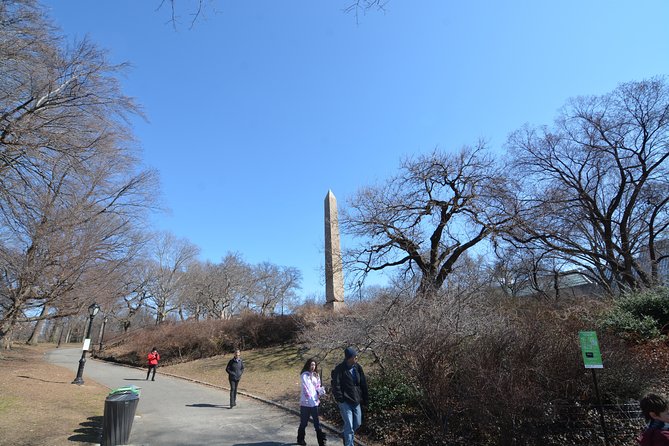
<point x="7" y="324"/>
<point x="68" y="334"/>
<point x="54" y="328"/>
<point x="6" y="336"/>
<point x="62" y="331"/>
<point x="428" y="285"/>
<point x="102" y="332"/>
<point x="37" y="332"/>
<point x="160" y="313"/>
<point x="39" y="326"/>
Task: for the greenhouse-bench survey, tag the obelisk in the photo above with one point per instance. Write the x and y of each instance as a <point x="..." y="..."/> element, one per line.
<point x="334" y="275"/>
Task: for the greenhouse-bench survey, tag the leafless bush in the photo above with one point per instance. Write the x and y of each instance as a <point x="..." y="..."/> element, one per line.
<point x="517" y="369"/>
<point x="485" y="371"/>
<point x="178" y="342"/>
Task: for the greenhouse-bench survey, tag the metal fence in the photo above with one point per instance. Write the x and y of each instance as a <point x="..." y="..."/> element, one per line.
<point x="581" y="424"/>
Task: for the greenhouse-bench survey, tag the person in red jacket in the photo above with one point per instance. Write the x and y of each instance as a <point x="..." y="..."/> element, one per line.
<point x="153" y="358"/>
<point x="656" y="411"/>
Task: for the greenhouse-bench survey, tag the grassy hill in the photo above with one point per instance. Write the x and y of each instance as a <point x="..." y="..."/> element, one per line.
<point x="271" y="372"/>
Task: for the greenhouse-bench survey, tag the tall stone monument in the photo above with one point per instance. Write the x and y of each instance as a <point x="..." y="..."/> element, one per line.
<point x="334" y="275"/>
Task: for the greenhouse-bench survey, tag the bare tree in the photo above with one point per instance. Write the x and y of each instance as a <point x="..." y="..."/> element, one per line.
<point x="56" y="106"/>
<point x="519" y="271"/>
<point x="171" y="258"/>
<point x="199" y="284"/>
<point x="217" y="290"/>
<point x="65" y="239"/>
<point x="138" y="281"/>
<point x="595" y="185"/>
<point x="238" y="282"/>
<point x="358" y="7"/>
<point x="274" y="286"/>
<point x="70" y="187"/>
<point x="428" y="216"/>
<point x="196" y="9"/>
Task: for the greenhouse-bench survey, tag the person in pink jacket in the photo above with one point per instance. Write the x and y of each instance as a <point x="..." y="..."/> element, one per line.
<point x="656" y="410"/>
<point x="153" y="359"/>
<point x="310" y="393"/>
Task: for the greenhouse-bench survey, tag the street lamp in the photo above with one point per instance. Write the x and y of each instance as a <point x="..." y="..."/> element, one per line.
<point x="92" y="311"/>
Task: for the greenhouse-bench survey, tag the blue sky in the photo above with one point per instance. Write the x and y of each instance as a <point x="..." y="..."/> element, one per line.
<point x="264" y="106"/>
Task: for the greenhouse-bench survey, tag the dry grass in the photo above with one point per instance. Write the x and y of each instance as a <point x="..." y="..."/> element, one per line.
<point x="271" y="373"/>
<point x="40" y="406"/>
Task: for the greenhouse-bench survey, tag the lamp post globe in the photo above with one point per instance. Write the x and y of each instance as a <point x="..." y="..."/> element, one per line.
<point x="92" y="311"/>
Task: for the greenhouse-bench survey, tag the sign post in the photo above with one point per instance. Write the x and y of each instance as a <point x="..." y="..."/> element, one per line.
<point x="592" y="359"/>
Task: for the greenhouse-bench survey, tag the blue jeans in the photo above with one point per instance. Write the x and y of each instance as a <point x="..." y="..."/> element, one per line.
<point x="351" y="414"/>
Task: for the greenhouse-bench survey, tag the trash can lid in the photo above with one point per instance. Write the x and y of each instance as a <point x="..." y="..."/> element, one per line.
<point x="125" y="390"/>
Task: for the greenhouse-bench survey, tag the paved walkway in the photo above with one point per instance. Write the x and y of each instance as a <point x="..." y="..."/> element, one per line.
<point x="175" y="412"/>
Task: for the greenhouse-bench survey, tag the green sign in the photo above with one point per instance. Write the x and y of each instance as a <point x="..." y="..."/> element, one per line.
<point x="592" y="358"/>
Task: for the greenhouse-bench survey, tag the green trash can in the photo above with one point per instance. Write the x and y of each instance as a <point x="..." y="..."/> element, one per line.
<point x="120" y="407"/>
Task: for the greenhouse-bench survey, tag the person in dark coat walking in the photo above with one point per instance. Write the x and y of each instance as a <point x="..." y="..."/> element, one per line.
<point x="349" y="388"/>
<point x="235" y="369"/>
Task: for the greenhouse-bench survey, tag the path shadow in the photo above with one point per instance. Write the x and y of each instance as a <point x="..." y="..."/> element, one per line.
<point x="43" y="380"/>
<point x="207" y="405"/>
<point x="264" y="443"/>
<point x="89" y="432"/>
<point x="134" y="379"/>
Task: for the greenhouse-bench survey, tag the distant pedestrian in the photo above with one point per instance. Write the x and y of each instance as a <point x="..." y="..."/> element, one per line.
<point x="310" y="393"/>
<point x="656" y="410"/>
<point x="235" y="369"/>
<point x="349" y="388"/>
<point x="153" y="359"/>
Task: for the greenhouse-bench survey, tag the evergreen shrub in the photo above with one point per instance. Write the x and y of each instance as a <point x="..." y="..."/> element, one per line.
<point x="642" y="315"/>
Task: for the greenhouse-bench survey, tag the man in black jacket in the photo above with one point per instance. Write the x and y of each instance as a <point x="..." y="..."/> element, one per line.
<point x="234" y="369"/>
<point x="349" y="388"/>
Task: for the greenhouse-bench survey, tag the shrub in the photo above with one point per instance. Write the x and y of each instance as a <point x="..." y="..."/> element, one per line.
<point x="485" y="371"/>
<point x="639" y="316"/>
<point x="629" y="326"/>
<point x="186" y="341"/>
<point x="515" y="371"/>
<point x="391" y="389"/>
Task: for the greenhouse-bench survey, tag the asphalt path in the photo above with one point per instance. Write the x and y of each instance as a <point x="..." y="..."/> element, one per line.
<point x="176" y="412"/>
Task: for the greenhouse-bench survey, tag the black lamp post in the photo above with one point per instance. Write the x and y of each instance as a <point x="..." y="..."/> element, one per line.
<point x="92" y="311"/>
